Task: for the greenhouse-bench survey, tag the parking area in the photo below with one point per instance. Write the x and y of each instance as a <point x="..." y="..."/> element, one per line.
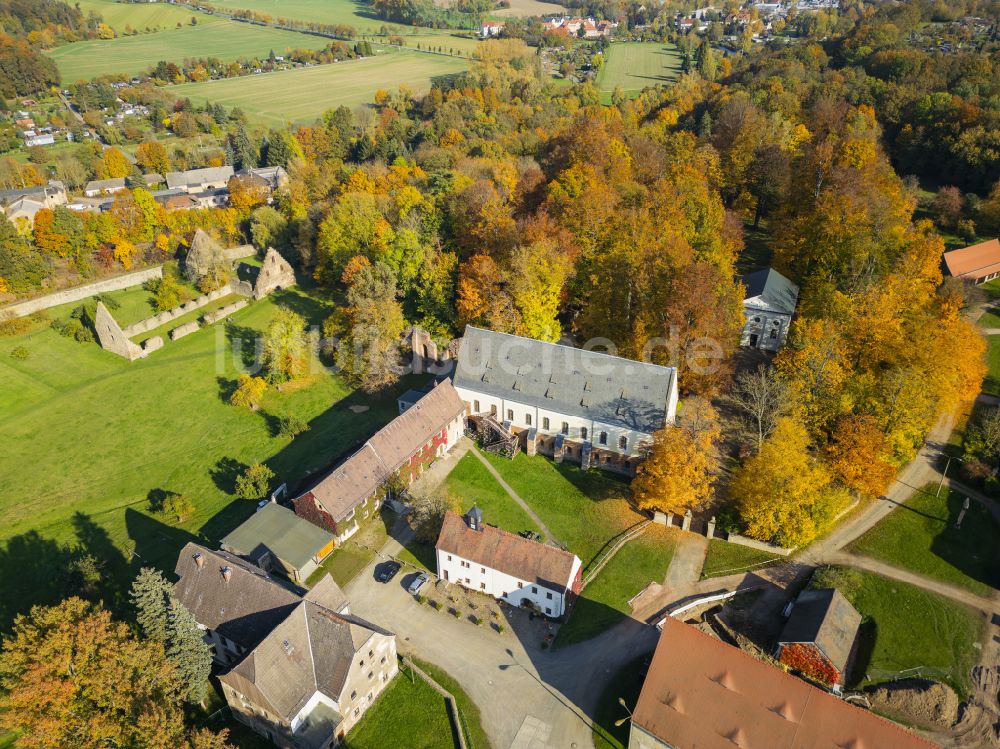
<point x="528" y="697"/>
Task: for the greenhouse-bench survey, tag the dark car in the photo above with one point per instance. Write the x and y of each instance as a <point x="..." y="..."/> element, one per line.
<point x="387" y="571"/>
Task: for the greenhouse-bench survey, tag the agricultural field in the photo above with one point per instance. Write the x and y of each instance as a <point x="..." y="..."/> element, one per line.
<point x="91" y="439"/>
<point x="636" y="65"/>
<point x="302" y="95"/>
<point x="142" y="17"/>
<point x="525" y="8"/>
<point x="356" y="13"/>
<point x="131" y="55"/>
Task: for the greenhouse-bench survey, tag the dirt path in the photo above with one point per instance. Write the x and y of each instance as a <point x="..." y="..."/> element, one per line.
<point x="689" y="558"/>
<point x="549" y="535"/>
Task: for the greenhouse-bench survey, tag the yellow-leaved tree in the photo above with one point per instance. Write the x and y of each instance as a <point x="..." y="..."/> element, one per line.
<point x="679" y="471"/>
<point x="783" y="493"/>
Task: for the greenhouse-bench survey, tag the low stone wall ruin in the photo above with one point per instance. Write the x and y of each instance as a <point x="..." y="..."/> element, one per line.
<point x="183" y="330"/>
<point x="152" y="323"/>
<point x="224" y="312"/>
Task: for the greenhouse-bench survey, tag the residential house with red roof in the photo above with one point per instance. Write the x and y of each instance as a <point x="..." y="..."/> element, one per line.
<point x="517" y="570"/>
<point x="978" y="262"/>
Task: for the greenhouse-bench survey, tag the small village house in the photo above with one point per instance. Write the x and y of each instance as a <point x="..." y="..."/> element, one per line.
<point x="522" y="572"/>
<point x="977" y="263"/>
<point x="491" y="29"/>
<point x="819" y="635"/>
<point x="199" y="180"/>
<point x="403" y="448"/>
<point x="97" y="187"/>
<point x="301" y="670"/>
<point x="590" y="407"/>
<point x="768" y="305"/>
<point x="21" y="206"/>
<point x="701" y="692"/>
<point x="277" y="540"/>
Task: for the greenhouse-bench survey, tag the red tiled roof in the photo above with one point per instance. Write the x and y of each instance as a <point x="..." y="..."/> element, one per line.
<point x="975" y="261"/>
<point x="362" y="473"/>
<point x="499" y="550"/>
<point x="703" y="693"/>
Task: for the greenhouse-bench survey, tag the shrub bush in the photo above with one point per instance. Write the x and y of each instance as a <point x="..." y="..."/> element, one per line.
<point x="11" y="326"/>
<point x="20" y="353"/>
<point x="292" y="426"/>
<point x="254" y="482"/>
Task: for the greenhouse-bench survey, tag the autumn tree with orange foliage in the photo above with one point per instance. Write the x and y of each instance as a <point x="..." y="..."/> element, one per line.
<point x="859" y="454"/>
<point x="71" y="676"/>
<point x="678" y="471"/>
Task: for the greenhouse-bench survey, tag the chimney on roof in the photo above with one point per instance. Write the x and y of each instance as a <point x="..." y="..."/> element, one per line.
<point x="199" y="559"/>
<point x="227" y="574"/>
<point x="475" y="518"/>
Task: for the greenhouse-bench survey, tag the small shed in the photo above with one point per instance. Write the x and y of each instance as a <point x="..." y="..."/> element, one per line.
<point x="819" y="636"/>
<point x="276" y="539"/>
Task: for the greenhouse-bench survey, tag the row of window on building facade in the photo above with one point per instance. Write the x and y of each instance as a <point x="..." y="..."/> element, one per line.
<point x="602" y="437"/>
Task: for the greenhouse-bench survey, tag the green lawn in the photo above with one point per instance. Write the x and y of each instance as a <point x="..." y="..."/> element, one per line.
<point x="920" y="536"/>
<point x="89" y="437"/>
<point x="584" y="509"/>
<point x="990" y="318"/>
<point x="211" y="37"/>
<point x="637" y="65"/>
<point x="302" y="95"/>
<point x="991" y="384"/>
<point x="604" y="602"/>
<point x="357" y="14"/>
<point x="992" y="289"/>
<point x="906" y="628"/>
<point x="353" y="555"/>
<point x="724" y="558"/>
<point x="472" y="484"/>
<point x="139" y="16"/>
<point x="475" y="735"/>
<point x="408" y="713"/>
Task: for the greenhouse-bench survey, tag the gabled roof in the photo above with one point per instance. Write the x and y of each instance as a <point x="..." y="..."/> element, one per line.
<point x="360" y="475"/>
<point x="117" y="183"/>
<point x="243" y="608"/>
<point x="566" y="380"/>
<point x="776" y="291"/>
<point x="195" y="177"/>
<point x="975" y="261"/>
<point x="310" y="651"/>
<point x="825" y="618"/>
<point x="700" y="692"/>
<point x="499" y="550"/>
<point x="281" y="532"/>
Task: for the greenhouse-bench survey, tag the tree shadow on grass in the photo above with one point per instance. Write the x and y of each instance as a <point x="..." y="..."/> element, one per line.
<point x="314" y="310"/>
<point x="225" y="472"/>
<point x="247" y="345"/>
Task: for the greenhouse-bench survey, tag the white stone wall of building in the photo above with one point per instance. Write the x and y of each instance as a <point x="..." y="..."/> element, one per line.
<point x="501" y="585"/>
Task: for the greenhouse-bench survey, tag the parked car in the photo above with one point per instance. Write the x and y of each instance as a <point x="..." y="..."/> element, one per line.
<point x="387" y="571"/>
<point x="418" y="582"/>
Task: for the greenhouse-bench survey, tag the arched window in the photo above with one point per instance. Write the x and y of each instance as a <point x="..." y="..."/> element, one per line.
<point x="510" y="414"/>
<point x="527" y="419"/>
<point x="603" y="439"/>
<point x="623" y="443"/>
<point x="545" y="423"/>
<point x="493" y="410"/>
<point x="565" y="427"/>
<point x="475" y="406"/>
<point x="583" y="433"/>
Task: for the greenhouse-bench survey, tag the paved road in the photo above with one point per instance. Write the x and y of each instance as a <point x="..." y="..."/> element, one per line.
<point x="529" y="698"/>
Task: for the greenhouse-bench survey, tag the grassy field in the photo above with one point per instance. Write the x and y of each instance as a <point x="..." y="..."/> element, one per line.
<point x="907" y="629"/>
<point x="472" y="484"/>
<point x="524" y="8"/>
<point x="991" y="384"/>
<point x="584" y="509"/>
<point x="356" y="13"/>
<point x="89" y="438"/>
<point x="724" y="558"/>
<point x="635" y="65"/>
<point x="408" y="713"/>
<point x="139" y="16"/>
<point x="469" y="709"/>
<point x="226" y="40"/>
<point x="921" y="537"/>
<point x="604" y="602"/>
<point x="303" y="95"/>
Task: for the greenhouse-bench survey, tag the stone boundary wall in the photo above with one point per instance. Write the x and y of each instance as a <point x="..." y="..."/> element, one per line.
<point x="183" y="330"/>
<point x="239" y="252"/>
<point x="219" y="314"/>
<point x="151" y="344"/>
<point x="20" y="309"/>
<point x="760" y="545"/>
<point x="152" y="323"/>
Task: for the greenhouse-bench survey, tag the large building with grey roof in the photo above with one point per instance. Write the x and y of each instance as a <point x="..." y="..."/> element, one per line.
<point x="563" y="401"/>
<point x="302" y="669"/>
